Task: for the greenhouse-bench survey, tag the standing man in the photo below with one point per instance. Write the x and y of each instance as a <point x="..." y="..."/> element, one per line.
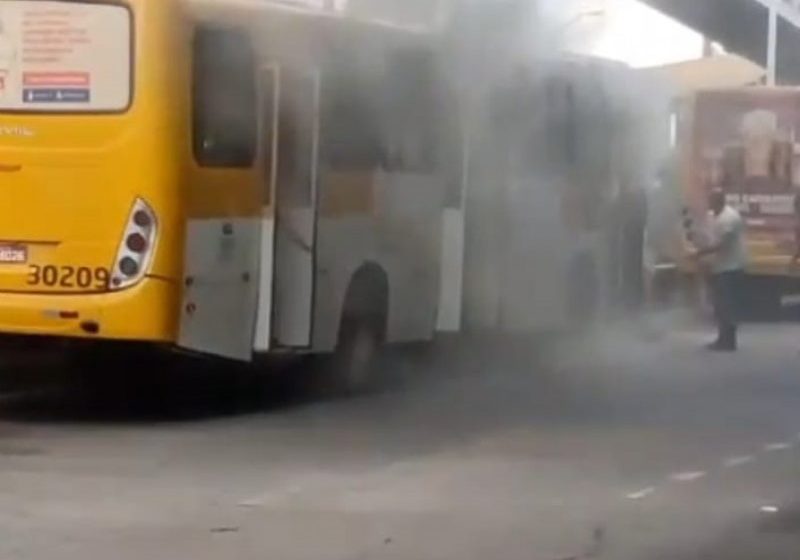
<point x="728" y="260"/>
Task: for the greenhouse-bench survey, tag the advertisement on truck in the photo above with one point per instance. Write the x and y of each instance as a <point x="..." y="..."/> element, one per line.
<point x="746" y="142"/>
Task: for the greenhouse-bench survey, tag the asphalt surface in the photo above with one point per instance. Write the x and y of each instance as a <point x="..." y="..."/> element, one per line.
<point x="627" y="444"/>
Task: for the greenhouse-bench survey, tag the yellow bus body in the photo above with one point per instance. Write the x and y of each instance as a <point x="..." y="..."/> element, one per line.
<point x="72" y="182"/>
<point x="68" y="182"/>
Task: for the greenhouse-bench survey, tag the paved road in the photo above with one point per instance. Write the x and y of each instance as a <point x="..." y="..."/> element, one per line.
<point x="619" y="446"/>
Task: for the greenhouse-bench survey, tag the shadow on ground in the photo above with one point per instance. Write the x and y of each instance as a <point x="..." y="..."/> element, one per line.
<point x="181" y="388"/>
<point x="190" y="389"/>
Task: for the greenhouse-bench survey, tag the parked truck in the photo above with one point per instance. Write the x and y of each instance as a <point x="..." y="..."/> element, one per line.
<point x="745" y="141"/>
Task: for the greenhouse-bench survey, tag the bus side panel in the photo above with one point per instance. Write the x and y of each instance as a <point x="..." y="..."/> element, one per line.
<point x="266" y="282"/>
<point x="224" y="192"/>
<point x="451" y="280"/>
<point x="393" y="221"/>
<point x="409" y="208"/>
<point x="343" y="245"/>
<point x="222" y="262"/>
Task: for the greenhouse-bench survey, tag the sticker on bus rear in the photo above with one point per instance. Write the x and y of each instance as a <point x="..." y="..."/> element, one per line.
<point x="13" y="254"/>
<point x="64" y="56"/>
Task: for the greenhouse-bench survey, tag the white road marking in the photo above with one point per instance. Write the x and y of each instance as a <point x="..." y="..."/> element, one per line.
<point x="779" y="446"/>
<point x="252" y="503"/>
<point x="733" y="462"/>
<point x="729" y="463"/>
<point x="682" y="477"/>
<point x="642" y="494"/>
<point x="256" y="501"/>
<point x="689" y="476"/>
<point x="262" y="500"/>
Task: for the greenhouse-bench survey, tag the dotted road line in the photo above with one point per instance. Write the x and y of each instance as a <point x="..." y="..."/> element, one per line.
<point x="729" y="463"/>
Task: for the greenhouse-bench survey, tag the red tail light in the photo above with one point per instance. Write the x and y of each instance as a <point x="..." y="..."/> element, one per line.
<point x="136" y="243"/>
<point x="136" y="250"/>
<point x="129" y="267"/>
<point x="142" y="219"/>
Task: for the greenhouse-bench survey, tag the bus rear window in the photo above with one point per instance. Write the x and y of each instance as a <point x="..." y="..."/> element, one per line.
<point x="58" y="56"/>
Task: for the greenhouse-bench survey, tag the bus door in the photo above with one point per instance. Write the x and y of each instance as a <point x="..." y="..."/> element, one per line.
<point x="295" y="208"/>
<point x="223" y="234"/>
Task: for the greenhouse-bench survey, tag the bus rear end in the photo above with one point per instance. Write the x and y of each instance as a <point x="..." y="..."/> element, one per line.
<point x="86" y="179"/>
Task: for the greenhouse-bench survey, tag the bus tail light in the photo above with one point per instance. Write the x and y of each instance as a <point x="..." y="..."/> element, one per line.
<point x="136" y="250"/>
<point x="136" y="243"/>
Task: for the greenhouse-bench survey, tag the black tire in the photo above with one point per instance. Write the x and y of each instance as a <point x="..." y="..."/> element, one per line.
<point x="353" y="368"/>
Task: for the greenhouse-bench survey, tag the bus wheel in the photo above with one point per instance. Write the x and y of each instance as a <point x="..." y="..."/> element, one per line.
<point x="362" y="332"/>
<point x="354" y="363"/>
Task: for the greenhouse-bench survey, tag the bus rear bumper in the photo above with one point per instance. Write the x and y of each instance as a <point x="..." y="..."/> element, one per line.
<point x="146" y="313"/>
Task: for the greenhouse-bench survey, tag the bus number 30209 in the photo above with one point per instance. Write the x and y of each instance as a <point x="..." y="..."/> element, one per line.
<point x="69" y="277"/>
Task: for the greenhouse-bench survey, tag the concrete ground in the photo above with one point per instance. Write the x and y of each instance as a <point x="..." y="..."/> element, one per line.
<point x="620" y="446"/>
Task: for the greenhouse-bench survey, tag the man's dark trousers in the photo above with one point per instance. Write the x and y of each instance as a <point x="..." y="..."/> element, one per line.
<point x="726" y="298"/>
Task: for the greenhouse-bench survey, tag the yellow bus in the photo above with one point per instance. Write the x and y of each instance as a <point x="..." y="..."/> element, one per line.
<point x="230" y="177"/>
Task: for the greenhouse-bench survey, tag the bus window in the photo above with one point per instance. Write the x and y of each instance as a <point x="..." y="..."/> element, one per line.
<point x="350" y="130"/>
<point x="296" y="136"/>
<point x="412" y="112"/>
<point x="225" y="116"/>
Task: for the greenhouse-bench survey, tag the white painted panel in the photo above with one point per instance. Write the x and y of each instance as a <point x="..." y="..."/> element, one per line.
<point x="220" y="296"/>
<point x="263" y="337"/>
<point x="296" y="202"/>
<point x="403" y="236"/>
<point x="294" y="277"/>
<point x="452" y="275"/>
<point x="409" y="221"/>
<point x="343" y="245"/>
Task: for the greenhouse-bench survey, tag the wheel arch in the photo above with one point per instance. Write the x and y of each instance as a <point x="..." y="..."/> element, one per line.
<point x="367" y="295"/>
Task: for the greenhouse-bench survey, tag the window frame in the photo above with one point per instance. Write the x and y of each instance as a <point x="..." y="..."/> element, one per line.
<point x="223" y="161"/>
